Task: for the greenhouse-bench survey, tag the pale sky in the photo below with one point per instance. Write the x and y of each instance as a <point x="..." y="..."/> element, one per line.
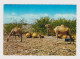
<point x="15" y="12"/>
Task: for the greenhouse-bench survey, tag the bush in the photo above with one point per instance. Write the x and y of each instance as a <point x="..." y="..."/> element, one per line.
<point x="39" y="25"/>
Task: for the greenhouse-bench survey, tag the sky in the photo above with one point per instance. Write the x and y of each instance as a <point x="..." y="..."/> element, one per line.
<point x="16" y="12"/>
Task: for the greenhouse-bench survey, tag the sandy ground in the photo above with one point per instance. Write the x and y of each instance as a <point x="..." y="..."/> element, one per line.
<point x="35" y="46"/>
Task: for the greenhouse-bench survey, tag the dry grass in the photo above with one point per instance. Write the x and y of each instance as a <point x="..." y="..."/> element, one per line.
<point x="36" y="46"/>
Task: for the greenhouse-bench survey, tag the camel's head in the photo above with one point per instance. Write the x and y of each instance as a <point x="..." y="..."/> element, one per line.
<point x="48" y="26"/>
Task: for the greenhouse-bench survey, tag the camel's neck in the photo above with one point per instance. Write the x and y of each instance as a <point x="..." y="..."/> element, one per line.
<point x="9" y="35"/>
<point x="51" y="30"/>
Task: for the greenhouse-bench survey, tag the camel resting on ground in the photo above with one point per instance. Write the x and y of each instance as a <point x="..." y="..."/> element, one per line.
<point x="15" y="32"/>
<point x="63" y="30"/>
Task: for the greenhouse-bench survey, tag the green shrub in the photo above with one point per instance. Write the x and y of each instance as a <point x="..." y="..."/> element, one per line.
<point x="39" y="25"/>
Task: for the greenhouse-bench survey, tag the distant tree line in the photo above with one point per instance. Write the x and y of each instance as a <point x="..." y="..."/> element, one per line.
<point x="39" y="25"/>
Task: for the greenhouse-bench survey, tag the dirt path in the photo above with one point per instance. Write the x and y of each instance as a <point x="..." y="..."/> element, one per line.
<point x="37" y="46"/>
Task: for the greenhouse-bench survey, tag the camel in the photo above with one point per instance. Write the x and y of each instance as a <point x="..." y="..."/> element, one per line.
<point x="63" y="30"/>
<point x="16" y="31"/>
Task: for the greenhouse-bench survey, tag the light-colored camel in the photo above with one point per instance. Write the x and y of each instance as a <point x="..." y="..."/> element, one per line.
<point x="16" y="31"/>
<point x="63" y="30"/>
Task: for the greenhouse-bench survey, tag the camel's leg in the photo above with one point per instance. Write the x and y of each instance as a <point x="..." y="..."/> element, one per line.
<point x="7" y="39"/>
<point x="9" y="36"/>
<point x="12" y="37"/>
<point x="15" y="36"/>
<point x="73" y="42"/>
<point x="56" y="37"/>
<point x="21" y="37"/>
<point x="70" y="38"/>
<point x="18" y="35"/>
<point x="69" y="33"/>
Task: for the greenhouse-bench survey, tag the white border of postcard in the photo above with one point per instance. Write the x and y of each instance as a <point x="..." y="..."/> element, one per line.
<point x="67" y="2"/>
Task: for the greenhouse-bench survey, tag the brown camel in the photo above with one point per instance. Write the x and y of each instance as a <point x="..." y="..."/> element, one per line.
<point x="15" y="32"/>
<point x="63" y="30"/>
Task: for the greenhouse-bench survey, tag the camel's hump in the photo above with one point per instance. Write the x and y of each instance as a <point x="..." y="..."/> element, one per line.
<point x="16" y="29"/>
<point x="61" y="28"/>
